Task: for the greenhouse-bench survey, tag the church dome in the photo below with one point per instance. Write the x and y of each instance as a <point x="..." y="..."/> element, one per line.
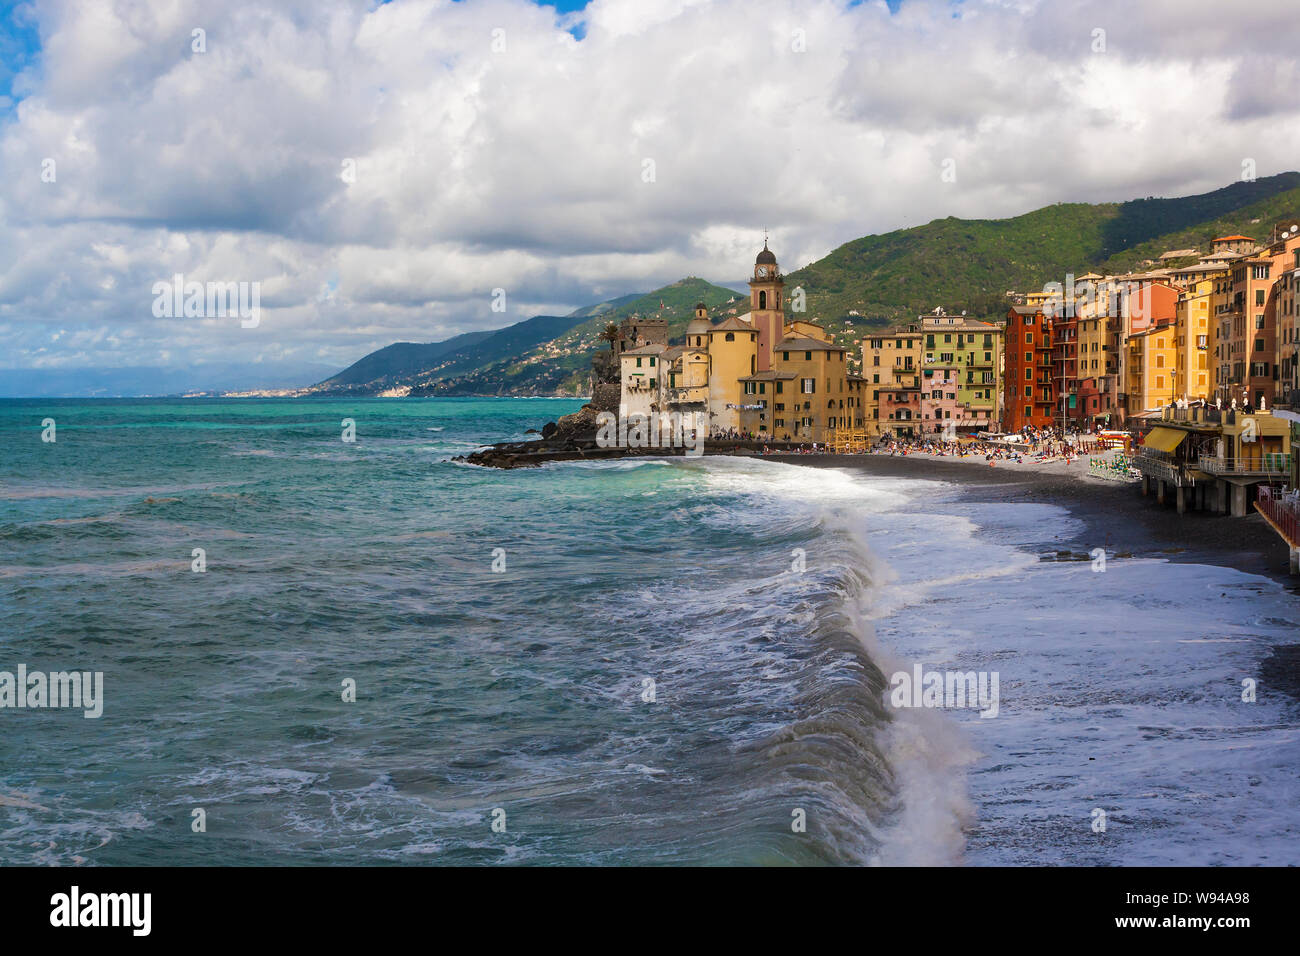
<point x="766" y="258"/>
<point x="698" y="327"/>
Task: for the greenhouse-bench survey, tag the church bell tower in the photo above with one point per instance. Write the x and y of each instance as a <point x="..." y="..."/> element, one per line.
<point x="767" y="305"/>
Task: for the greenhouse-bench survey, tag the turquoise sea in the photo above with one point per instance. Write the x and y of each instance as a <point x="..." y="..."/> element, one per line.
<point x="673" y="661"/>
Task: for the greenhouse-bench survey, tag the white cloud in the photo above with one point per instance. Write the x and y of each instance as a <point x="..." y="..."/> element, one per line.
<point x="522" y="169"/>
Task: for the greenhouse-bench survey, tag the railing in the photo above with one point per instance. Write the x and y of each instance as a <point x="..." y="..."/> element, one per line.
<point x="1283" y="511"/>
<point x="1270" y="463"/>
<point x="1164" y="469"/>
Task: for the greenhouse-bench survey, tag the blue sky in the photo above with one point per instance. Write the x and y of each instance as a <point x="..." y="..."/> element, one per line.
<point x="19" y="48"/>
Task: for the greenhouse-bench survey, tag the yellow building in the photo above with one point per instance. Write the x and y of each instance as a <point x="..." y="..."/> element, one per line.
<point x="733" y="355"/>
<point x="1150" y="368"/>
<point x="685" y="380"/>
<point x="891" y="370"/>
<point x="1194" y="332"/>
<point x="814" y="396"/>
<point x="1093" y="315"/>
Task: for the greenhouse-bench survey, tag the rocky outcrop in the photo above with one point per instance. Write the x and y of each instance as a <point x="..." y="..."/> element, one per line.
<point x="605" y="397"/>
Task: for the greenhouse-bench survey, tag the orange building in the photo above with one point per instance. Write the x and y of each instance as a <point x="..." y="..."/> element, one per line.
<point x="1028" y="391"/>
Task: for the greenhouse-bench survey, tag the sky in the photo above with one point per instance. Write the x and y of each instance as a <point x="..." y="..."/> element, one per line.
<point x="409" y="170"/>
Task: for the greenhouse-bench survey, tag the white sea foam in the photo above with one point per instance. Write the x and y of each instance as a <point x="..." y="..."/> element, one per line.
<point x="1110" y="681"/>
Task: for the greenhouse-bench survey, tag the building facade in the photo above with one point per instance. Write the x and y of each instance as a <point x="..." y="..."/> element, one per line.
<point x="1028" y="398"/>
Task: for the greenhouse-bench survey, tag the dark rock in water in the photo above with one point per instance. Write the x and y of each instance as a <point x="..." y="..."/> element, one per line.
<point x="532" y="431"/>
<point x="548" y="430"/>
<point x="581" y="425"/>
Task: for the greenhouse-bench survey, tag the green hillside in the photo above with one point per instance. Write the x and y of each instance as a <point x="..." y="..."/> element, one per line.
<point x="869" y="283"/>
<point x="971" y="264"/>
<point x="400" y="359"/>
<point x="543" y="355"/>
<point x="562" y="364"/>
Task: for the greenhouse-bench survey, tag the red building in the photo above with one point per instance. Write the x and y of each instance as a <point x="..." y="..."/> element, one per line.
<point x="1028" y="390"/>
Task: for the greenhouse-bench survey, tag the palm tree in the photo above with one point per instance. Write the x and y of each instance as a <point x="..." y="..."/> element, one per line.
<point x="609" y="334"/>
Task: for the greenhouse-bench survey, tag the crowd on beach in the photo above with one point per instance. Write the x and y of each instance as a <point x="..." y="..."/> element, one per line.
<point x="1030" y="445"/>
<point x="1038" y="445"/>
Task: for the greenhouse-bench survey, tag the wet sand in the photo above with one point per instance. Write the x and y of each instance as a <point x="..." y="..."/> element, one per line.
<point x="1114" y="515"/>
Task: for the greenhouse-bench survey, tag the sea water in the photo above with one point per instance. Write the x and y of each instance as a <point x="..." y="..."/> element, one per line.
<point x="326" y="651"/>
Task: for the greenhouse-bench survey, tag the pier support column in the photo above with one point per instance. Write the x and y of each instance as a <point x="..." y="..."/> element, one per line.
<point x="1160" y="491"/>
<point x="1180" y="499"/>
<point x="1220" y="497"/>
<point x="1239" y="501"/>
<point x="1295" y="561"/>
<point x="1146" y="486"/>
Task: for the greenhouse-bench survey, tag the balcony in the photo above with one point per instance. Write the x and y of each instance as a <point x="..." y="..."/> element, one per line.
<point x="1282" y="512"/>
<point x="687" y="396"/>
<point x="1276" y="465"/>
<point x="1156" y="465"/>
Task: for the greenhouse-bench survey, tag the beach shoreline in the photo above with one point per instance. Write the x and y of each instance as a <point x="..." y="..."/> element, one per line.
<point x="1111" y="515"/>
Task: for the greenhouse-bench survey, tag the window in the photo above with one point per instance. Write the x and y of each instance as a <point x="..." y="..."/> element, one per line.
<point x="652" y="361"/>
<point x="731" y="336"/>
<point x="1029" y="338"/>
<point x="638" y="361"/>
<point x="807" y="356"/>
<point x="780" y="387"/>
<point x="809" y="386"/>
<point x="785" y="357"/>
<point x="1028" y="411"/>
<point x="1029" y="357"/>
<point x="1029" y="374"/>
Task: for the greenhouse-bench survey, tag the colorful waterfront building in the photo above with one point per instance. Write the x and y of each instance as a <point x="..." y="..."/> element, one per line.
<point x="733" y="354"/>
<point x="1194" y="330"/>
<point x="1150" y="368"/>
<point x="817" y="399"/>
<point x="684" y="381"/>
<point x="891" y="369"/>
<point x="1284" y="251"/>
<point x="1288" y="327"/>
<point x="960" y="372"/>
<point x="1139" y="301"/>
<point x="639" y="376"/>
<point x="1028" y="398"/>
